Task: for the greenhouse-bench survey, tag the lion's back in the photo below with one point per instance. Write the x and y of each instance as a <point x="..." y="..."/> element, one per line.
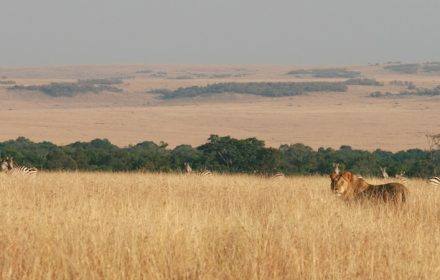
<point x="388" y="192"/>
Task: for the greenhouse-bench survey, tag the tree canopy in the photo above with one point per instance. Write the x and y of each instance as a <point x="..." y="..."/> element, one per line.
<point x="221" y="154"/>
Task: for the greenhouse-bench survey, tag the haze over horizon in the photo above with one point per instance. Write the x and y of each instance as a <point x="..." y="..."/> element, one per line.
<point x="61" y="32"/>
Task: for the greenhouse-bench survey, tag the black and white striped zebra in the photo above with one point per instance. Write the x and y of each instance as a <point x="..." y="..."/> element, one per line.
<point x="277" y="176"/>
<point x="189" y="170"/>
<point x="435" y="181"/>
<point x="401" y="177"/>
<point x="9" y="166"/>
<point x="205" y="172"/>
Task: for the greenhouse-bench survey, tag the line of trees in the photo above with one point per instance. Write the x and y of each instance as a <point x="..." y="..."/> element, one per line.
<point x="72" y="89"/>
<point x="363" y="82"/>
<point x="408" y="68"/>
<point x="431" y="67"/>
<point x="413" y="68"/>
<point x="415" y="92"/>
<point x="326" y="73"/>
<point x="220" y="154"/>
<point x="268" y="89"/>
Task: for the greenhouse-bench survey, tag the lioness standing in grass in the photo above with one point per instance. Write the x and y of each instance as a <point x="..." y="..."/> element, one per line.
<point x="349" y="186"/>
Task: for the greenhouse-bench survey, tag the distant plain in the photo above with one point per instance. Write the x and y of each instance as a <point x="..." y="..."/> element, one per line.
<point x="324" y="119"/>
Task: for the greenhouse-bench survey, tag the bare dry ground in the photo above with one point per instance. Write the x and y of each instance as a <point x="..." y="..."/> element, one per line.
<point x="317" y="119"/>
<point x="171" y="226"/>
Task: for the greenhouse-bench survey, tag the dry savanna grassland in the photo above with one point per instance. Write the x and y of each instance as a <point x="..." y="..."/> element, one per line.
<point x="175" y="226"/>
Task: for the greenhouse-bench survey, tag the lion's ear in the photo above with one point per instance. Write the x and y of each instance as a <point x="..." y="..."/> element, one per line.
<point x="347" y="175"/>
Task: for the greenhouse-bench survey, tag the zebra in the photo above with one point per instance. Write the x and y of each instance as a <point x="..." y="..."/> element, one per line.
<point x="272" y="176"/>
<point x="8" y="166"/>
<point x="401" y="177"/>
<point x="435" y="181"/>
<point x="384" y="172"/>
<point x="4" y="166"/>
<point x="189" y="170"/>
<point x="277" y="176"/>
<point x="205" y="172"/>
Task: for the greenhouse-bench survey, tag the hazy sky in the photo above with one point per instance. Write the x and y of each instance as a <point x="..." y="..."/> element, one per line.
<point x="48" y="32"/>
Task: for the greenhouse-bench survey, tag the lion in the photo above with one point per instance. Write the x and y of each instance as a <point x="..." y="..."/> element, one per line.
<point x="349" y="186"/>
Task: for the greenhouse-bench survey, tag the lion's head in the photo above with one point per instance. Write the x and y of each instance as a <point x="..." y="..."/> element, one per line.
<point x="342" y="184"/>
<point x="346" y="184"/>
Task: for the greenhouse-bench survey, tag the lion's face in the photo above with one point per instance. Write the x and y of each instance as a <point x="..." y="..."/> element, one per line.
<point x="340" y="186"/>
<point x="341" y="183"/>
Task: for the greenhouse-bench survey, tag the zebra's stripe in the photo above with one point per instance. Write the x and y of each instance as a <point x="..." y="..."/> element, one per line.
<point x="402" y="179"/>
<point x="277" y="176"/>
<point x="434" y="181"/>
<point x="8" y="166"/>
<point x="189" y="170"/>
<point x="205" y="173"/>
<point x="22" y="170"/>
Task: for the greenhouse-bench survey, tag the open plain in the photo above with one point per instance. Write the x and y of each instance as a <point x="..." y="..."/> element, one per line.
<point x="174" y="226"/>
<point x="324" y="119"/>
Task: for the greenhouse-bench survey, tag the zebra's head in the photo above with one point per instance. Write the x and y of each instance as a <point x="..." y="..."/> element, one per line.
<point x="11" y="162"/>
<point x="5" y="164"/>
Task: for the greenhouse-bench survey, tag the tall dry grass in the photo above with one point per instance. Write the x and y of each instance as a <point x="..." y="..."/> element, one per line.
<point x="157" y="226"/>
